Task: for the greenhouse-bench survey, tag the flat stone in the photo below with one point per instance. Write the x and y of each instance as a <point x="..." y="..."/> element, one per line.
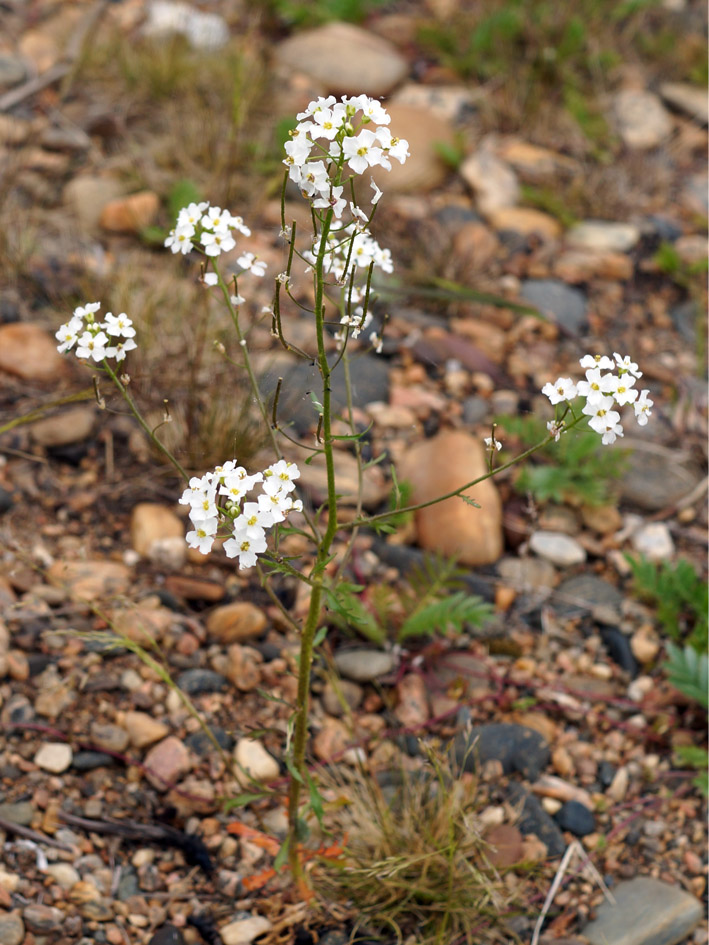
<point x="70" y="426"/>
<point x="254" y="762"/>
<point x="412" y="708"/>
<point x="109" y="737"/>
<point x="12" y="928"/>
<point x="364" y="665"/>
<point x="505" y="846"/>
<point x="195" y="681"/>
<point x="194" y="588"/>
<point x="12" y="70"/>
<point x="603" y="235"/>
<point x="86" y="195"/>
<point x="566" y="306"/>
<point x="244" y="931"/>
<point x="236" y="622"/>
<point x="167" y="935"/>
<point x="19" y="812"/>
<point x="331" y="741"/>
<point x="89" y="760"/>
<point x="516" y="747"/>
<point x="142" y="729"/>
<point x="243" y="667"/>
<point x="534" y="819"/>
<point x="142" y="623"/>
<point x="438" y="465"/>
<point x="40" y="918"/>
<point x="558" y="548"/>
<point x="494" y="183"/>
<point x="337" y="699"/>
<point x="313" y="479"/>
<point x="90" y="580"/>
<point x="167" y="762"/>
<point x="130" y="214"/>
<point x="690" y="99"/>
<point x="344" y="59"/>
<point x="656" y="477"/>
<point x="55" y="757"/>
<point x="532" y="162"/>
<point x="647" y="912"/>
<point x="151" y="526"/>
<point x="527" y="574"/>
<point x="576" y="266"/>
<point x="525" y="221"/>
<point x="28" y="352"/>
<point x="450" y="103"/>
<point x="424" y="169"/>
<point x="641" y="119"/>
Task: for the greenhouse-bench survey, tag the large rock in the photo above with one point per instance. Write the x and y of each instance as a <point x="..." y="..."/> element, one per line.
<point x="130" y="214"/>
<point x="566" y="306"/>
<point x="437" y="466"/>
<point x="345" y="59"/>
<point x="28" y="352"/>
<point x="646" y="912"/>
<point x="424" y="169"/>
<point x="641" y="119"/>
<point x="236" y="622"/>
<point x="87" y="195"/>
<point x="603" y="235"/>
<point x="158" y="534"/>
<point x="90" y="580"/>
<point x="166" y="762"/>
<point x="495" y="183"/>
<point x="71" y="426"/>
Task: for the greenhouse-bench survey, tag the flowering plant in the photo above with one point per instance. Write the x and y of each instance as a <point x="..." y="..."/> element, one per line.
<point x="333" y="143"/>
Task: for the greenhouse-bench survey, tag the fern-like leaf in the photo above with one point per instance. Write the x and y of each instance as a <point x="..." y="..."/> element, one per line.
<point x="454" y="612"/>
<point x="688" y="671"/>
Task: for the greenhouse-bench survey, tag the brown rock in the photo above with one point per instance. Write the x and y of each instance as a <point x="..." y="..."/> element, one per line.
<point x="645" y="644"/>
<point x="167" y="762"/>
<point x="70" y="426"/>
<point x="313" y="478"/>
<point x="344" y="58"/>
<point x="547" y="785"/>
<point x="493" y="181"/>
<point x="331" y="741"/>
<point x="526" y="221"/>
<point x="423" y="170"/>
<point x="475" y="245"/>
<point x="505" y="846"/>
<point x="195" y="796"/>
<point x="193" y="588"/>
<point x="243" y="668"/>
<point x="87" y="195"/>
<point x="603" y="519"/>
<point x="142" y="729"/>
<point x="412" y="707"/>
<point x="130" y="214"/>
<point x="453" y="527"/>
<point x="236" y="623"/>
<point x="152" y="528"/>
<point x="28" y="352"/>
<point x="90" y="580"/>
<point x="336" y="699"/>
<point x="532" y="162"/>
<point x="576" y="266"/>
<point x="18" y="666"/>
<point x="143" y="624"/>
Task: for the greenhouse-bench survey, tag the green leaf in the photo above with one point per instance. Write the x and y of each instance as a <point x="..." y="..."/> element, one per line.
<point x="454" y="612"/>
<point x="469" y="501"/>
<point x="182" y="193"/>
<point x="316" y="804"/>
<point x="688" y="671"/>
<point x="241" y="800"/>
<point x="319" y="636"/>
<point x="282" y="855"/>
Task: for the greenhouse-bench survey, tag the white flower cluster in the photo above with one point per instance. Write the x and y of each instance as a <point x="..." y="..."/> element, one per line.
<point x="110" y="338"/>
<point x="330" y="132"/>
<point x="212" y="227"/>
<point x="602" y="392"/>
<point x="248" y="522"/>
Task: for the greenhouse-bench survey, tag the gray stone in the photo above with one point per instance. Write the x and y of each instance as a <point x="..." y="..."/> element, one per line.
<point x="641" y="118"/>
<point x="12" y="71"/>
<point x="534" y="819"/>
<point x="20" y="813"/>
<point x="494" y="183"/>
<point x="562" y="550"/>
<point x="336" y="699"/>
<point x="566" y="305"/>
<point x="12" y="928"/>
<point x="687" y="318"/>
<point x="41" y="918"/>
<point x="656" y="476"/>
<point x="364" y="665"/>
<point x="344" y="58"/>
<point x="195" y="681"/>
<point x="516" y="747"/>
<point x="647" y="912"/>
<point x="527" y="574"/>
<point x="576" y="818"/>
<point x="584" y="593"/>
<point x="603" y="235"/>
<point x="167" y="935"/>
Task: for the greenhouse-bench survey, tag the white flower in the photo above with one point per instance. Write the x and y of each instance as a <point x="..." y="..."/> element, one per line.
<point x="247" y="550"/>
<point x="492" y="444"/>
<point x="376" y="341"/>
<point x="180" y="239"/>
<point x="562" y="389"/>
<point x="327" y="122"/>
<point x="642" y="407"/>
<point x="316" y="106"/>
<point x="600" y="361"/>
<point x="252" y="263"/>
<point x="68" y="334"/>
<point x="92" y="345"/>
<point x="555" y="429"/>
<point x="625" y="364"/>
<point x="622" y="390"/>
<point x="597" y="385"/>
<point x="210" y="278"/>
<point x="220" y="241"/>
<point x="279" y="477"/>
<point x="192" y="214"/>
<point x="334" y="199"/>
<point x="377" y="192"/>
<point x="254" y="520"/>
<point x="216" y="219"/>
<point x="202" y="537"/>
<point x="362" y="151"/>
<point x="119" y="325"/>
<point x="118" y="351"/>
<point x="297" y="149"/>
<point x="87" y="311"/>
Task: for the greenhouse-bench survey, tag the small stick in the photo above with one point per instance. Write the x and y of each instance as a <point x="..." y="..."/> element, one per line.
<point x="9" y="827"/>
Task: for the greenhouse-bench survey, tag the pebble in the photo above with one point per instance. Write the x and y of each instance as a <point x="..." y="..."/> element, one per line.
<point x="12" y="70"/>
<point x="167" y="935"/>
<point x="618" y="646"/>
<point x="654" y="540"/>
<point x="689" y="99"/>
<point x="64" y="875"/>
<point x="577" y="266"/>
<point x="89" y="760"/>
<point x="494" y="183"/>
<point x="576" y="818"/>
<point x="195" y="796"/>
<point x="28" y="352"/>
<point x="70" y="426"/>
<point x="603" y="235"/>
<point x="200" y="743"/>
<point x="450" y="103"/>
<point x="525" y="221"/>
<point x="90" y="580"/>
<point x="142" y="729"/>
<point x="534" y="819"/>
<point x="564" y="304"/>
<point x="86" y="195"/>
<point x="646" y="911"/>
<point x="109" y="737"/>
<point x="244" y="931"/>
<point x="236" y="623"/>
<point x="642" y="120"/>
<point x="423" y="170"/>
<point x="505" y="846"/>
<point x="412" y="708"/>
<point x="516" y="747"/>
<point x="193" y="588"/>
<point x="130" y="214"/>
<point x="527" y="574"/>
<point x="243" y="667"/>
<point x="441" y="464"/>
<point x="364" y="665"/>
<point x="558" y="548"/>
<point x="655" y="477"/>
<point x="54" y="756"/>
<point x="332" y="740"/>
<point x="12" y="928"/>
<point x="585" y="593"/>
<point x="345" y="691"/>
<point x="158" y="534"/>
<point x="196" y="681"/>
<point x="255" y="761"/>
<point x="6" y="500"/>
<point x="344" y="59"/>
<point x="166" y="762"/>
<point x="41" y="918"/>
<point x="644" y="645"/>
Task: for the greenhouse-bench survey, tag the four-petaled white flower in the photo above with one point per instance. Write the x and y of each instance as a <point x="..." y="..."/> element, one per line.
<point x="562" y="389"/>
<point x="252" y="263"/>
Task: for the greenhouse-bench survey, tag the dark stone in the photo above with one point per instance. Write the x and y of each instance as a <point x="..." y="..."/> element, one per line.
<point x="618" y="646"/>
<point x="5" y="500"/>
<point x="167" y="935"/>
<point x="200" y="743"/>
<point x="404" y="558"/>
<point x="9" y="311"/>
<point x="581" y="593"/>
<point x="88" y="760"/>
<point x="516" y="747"/>
<point x="475" y="409"/>
<point x="656" y="477"/>
<point x="576" y="818"/>
<point x="685" y="317"/>
<point x="128" y="884"/>
<point x="606" y="773"/>
<point x="269" y="651"/>
<point x="335" y="937"/>
<point x="12" y="70"/>
<point x="38" y="662"/>
<point x="454" y="216"/>
<point x="194" y="681"/>
<point x="71" y="454"/>
<point x="167" y="599"/>
<point x="667" y="230"/>
<point x="566" y="305"/>
<point x="534" y="819"/>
